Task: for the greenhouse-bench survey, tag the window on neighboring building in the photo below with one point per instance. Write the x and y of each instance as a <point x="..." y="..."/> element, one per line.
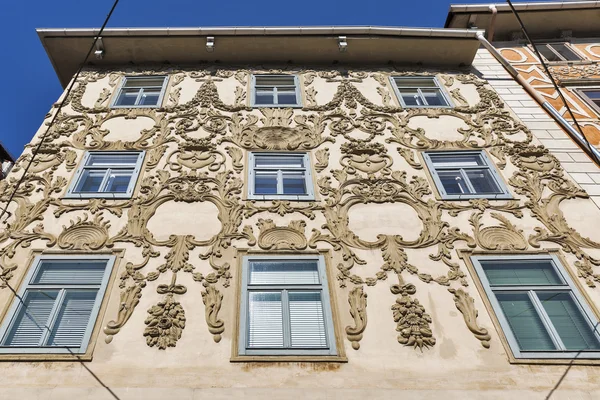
<point x="285" y="307"/>
<point x="280" y="176"/>
<point x="541" y="312"/>
<point x="419" y="91"/>
<point x="56" y="308"/>
<point x="108" y="174"/>
<point x="141" y="91"/>
<point x="465" y="175"/>
<point x="557" y="52"/>
<point x="275" y="91"/>
<point x="591" y="96"/>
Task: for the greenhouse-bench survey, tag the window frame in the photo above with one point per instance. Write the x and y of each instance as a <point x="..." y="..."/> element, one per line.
<point x="308" y="177"/>
<point x="8" y="319"/>
<point x="124" y="80"/>
<point x="567" y="286"/>
<point x="446" y="97"/>
<point x="242" y="348"/>
<point x="556" y="53"/>
<point x="275" y="105"/>
<point x="580" y="91"/>
<point x="489" y="165"/>
<point x="137" y="167"/>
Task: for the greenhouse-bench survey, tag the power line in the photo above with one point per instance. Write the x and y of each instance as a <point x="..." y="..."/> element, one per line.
<point x="562" y="97"/>
<point x="60" y="106"/>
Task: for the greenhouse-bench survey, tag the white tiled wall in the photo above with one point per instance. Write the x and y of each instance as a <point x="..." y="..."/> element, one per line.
<point x="575" y="162"/>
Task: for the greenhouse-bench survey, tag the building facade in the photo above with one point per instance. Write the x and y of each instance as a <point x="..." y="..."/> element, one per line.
<point x="312" y="226"/>
<point x="567" y="37"/>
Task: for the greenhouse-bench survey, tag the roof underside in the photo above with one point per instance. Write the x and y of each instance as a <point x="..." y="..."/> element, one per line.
<point x="543" y="20"/>
<point x="67" y="48"/>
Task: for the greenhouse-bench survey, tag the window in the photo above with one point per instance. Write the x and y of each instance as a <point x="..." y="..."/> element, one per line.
<point x="106" y="174"/>
<point x="538" y="306"/>
<point x="591" y="96"/>
<point x="275" y="91"/>
<point x="285" y="307"/>
<point x="557" y="52"/>
<point x="421" y="91"/>
<point x="465" y="175"/>
<point x="141" y="91"/>
<point x="280" y="176"/>
<point x="56" y="308"/>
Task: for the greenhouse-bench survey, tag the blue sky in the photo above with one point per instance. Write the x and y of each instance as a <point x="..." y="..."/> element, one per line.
<point x="30" y="85"/>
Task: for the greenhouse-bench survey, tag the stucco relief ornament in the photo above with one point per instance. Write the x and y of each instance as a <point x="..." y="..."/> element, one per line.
<point x="466" y="305"/>
<point x="289" y="237"/>
<point x="413" y="322"/>
<point x="84" y="235"/>
<point x="166" y="320"/>
<point x="503" y="237"/>
<point x="197" y="154"/>
<point x="369" y="158"/>
<point x="357" y="299"/>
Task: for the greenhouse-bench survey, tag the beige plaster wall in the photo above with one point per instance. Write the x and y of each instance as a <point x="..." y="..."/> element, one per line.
<point x="185" y="225"/>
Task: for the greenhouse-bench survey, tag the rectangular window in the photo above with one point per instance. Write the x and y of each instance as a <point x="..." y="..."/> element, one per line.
<point x="591" y="95"/>
<point x="421" y="91"/>
<point x="557" y="52"/>
<point x="280" y="176"/>
<point x="465" y="175"/>
<point x="56" y="308"/>
<point x="141" y="91"/>
<point x="539" y="308"/>
<point x="106" y="174"/>
<point x="285" y="307"/>
<point x="275" y="91"/>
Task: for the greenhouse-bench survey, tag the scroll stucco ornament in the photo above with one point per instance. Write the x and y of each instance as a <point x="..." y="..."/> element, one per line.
<point x="413" y="322"/>
<point x="466" y="305"/>
<point x="357" y="299"/>
<point x="166" y="320"/>
<point x="84" y="234"/>
<point x="130" y="298"/>
<point x="369" y="158"/>
<point x="289" y="237"/>
<point x="212" y="299"/>
<point x="322" y="156"/>
<point x="503" y="237"/>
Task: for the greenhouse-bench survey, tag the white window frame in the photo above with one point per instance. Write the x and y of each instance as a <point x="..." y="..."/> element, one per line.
<point x="556" y="53"/>
<point x="26" y="285"/>
<point x="298" y="103"/>
<point x="438" y="86"/>
<point x="580" y="91"/>
<point x="243" y="349"/>
<point x="488" y="165"/>
<point x="141" y="92"/>
<point x="308" y="179"/>
<point x="568" y="285"/>
<point x="72" y="194"/>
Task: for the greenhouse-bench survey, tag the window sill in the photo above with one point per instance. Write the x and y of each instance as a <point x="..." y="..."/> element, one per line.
<point x="45" y="357"/>
<point x="283" y="358"/>
<point x="465" y="198"/>
<point x="555" y="361"/>
<point x="277" y="106"/>
<point x="283" y="198"/>
<point x="95" y="196"/>
<point x="121" y="107"/>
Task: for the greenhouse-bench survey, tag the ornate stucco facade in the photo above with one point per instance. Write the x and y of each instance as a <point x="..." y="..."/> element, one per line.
<point x="410" y="315"/>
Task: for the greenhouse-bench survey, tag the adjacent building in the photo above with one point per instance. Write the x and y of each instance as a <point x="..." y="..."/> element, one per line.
<point x="307" y="212"/>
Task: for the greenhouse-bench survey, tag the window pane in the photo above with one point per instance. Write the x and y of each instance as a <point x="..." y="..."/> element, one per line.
<point x="564" y="51"/>
<point x="521" y="272"/>
<point x="265" y="182"/>
<point x="118" y="182"/>
<point x="547" y="53"/>
<point x="307" y="323"/>
<point x="150" y="97"/>
<point x="276" y="161"/>
<point x="263" y="80"/>
<point x="73" y="318"/>
<point x="264" y="98"/>
<point x="53" y="272"/>
<point x="32" y="318"/>
<point x="482" y="181"/>
<point x="415" y="82"/>
<point x="593" y="96"/>
<point x="569" y="322"/>
<point x="113" y="159"/>
<point x="283" y="272"/>
<point x="265" y="319"/>
<point x="144" y="82"/>
<point x="286" y="96"/>
<point x="294" y="183"/>
<point x="525" y="322"/>
<point x="411" y="97"/>
<point x="90" y="181"/>
<point x="127" y="97"/>
<point x="453" y="182"/>
<point x="456" y="160"/>
<point x="434" y="97"/>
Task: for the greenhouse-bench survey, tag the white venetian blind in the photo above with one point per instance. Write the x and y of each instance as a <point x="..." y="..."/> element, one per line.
<point x="265" y="320"/>
<point x="307" y="324"/>
<point x="284" y="273"/>
<point x="32" y="319"/>
<point x="73" y="318"/>
<point x="69" y="273"/>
